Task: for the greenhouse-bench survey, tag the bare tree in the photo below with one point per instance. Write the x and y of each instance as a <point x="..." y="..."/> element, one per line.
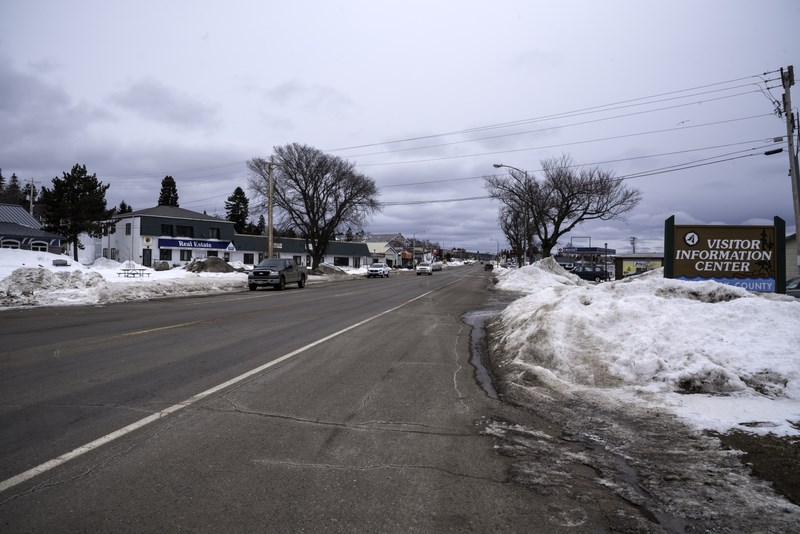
<point x="563" y="198"/>
<point x="512" y="224"/>
<point x="315" y="193"/>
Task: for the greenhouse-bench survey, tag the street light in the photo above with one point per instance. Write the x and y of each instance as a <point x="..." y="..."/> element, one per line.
<point x="525" y="215"/>
<point x="498" y="248"/>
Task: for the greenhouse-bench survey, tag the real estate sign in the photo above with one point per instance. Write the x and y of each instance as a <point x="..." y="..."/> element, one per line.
<point x="751" y="257"/>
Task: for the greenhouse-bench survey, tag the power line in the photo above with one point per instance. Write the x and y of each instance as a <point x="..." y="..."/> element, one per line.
<point x="653" y="172"/>
<point x="586" y="141"/>
<point x="545" y="117"/>
<point x="555" y="127"/>
<point x="605" y="162"/>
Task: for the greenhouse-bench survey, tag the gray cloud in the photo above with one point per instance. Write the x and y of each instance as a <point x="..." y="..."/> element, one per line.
<point x="154" y="101"/>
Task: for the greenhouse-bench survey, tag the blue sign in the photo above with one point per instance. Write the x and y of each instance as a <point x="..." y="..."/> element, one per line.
<point x="751" y="284"/>
<point x="193" y="243"/>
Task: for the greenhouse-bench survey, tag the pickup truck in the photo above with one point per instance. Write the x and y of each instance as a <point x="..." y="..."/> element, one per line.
<point x="277" y="272"/>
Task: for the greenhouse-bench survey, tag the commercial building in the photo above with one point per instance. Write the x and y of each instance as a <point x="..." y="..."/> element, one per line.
<point x="177" y="236"/>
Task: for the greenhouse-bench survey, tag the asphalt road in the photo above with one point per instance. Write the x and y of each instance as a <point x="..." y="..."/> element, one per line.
<point x="360" y="413"/>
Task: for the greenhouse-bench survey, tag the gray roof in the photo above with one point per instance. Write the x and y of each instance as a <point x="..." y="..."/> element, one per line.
<point x="175" y="213"/>
<point x="14" y="213"/>
<point x="16" y="231"/>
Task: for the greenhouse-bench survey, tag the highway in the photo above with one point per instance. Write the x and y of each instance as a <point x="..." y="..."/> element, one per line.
<point x="342" y="407"/>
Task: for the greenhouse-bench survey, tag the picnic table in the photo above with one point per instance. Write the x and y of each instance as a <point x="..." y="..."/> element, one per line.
<point x="132" y="272"/>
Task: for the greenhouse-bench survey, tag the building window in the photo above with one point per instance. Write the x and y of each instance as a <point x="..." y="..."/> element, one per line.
<point x="357" y="263"/>
<point x="296" y="260"/>
<point x="113" y="253"/>
<point x="127" y="228"/>
<point x="213" y="233"/>
<point x="339" y="261"/>
<point x="165" y="254"/>
<point x="39" y="247"/>
<point x="212" y="254"/>
<point x="105" y="253"/>
<point x="227" y="256"/>
<point x="166" y="229"/>
<point x="184" y="231"/>
<point x="186" y="254"/>
<point x="248" y="258"/>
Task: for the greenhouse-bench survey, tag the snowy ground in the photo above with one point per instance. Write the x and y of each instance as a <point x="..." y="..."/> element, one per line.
<point x="631" y="376"/>
<point x="30" y="279"/>
<point x="717" y="356"/>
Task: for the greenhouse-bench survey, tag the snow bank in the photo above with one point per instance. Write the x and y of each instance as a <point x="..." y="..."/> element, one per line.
<point x="654" y="338"/>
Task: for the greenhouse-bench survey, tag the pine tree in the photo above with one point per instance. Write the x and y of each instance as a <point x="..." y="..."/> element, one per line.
<point x="169" y="192"/>
<point x="261" y="227"/>
<point x="237" y="210"/>
<point x="124" y="207"/>
<point x="12" y="192"/>
<point x="76" y="204"/>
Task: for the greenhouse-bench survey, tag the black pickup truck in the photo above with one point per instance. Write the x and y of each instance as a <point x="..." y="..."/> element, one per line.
<point x="277" y="273"/>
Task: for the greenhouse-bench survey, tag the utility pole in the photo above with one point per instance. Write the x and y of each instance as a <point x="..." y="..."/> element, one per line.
<point x="269" y="209"/>
<point x="30" y="183"/>
<point x="525" y="203"/>
<point x="787" y="79"/>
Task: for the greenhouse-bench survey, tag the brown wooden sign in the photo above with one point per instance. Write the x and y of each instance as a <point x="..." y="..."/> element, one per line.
<point x="744" y="256"/>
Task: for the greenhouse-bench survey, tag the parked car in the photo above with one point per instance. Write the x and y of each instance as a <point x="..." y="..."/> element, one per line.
<point x="425" y="268"/>
<point x="793" y="287"/>
<point x="488" y="267"/>
<point x="596" y="273"/>
<point x="378" y="269"/>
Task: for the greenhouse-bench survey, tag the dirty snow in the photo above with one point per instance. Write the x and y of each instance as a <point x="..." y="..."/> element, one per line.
<point x="716" y="355"/>
<point x="29" y="279"/>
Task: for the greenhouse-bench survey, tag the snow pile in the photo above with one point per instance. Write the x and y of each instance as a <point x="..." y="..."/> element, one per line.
<point x="29" y="278"/>
<point x="656" y="340"/>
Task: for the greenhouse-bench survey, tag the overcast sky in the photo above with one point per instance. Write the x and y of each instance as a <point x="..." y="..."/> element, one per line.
<point x="424" y="96"/>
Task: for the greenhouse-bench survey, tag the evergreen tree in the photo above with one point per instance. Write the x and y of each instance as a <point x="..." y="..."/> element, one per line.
<point x="261" y="227"/>
<point x="237" y="210"/>
<point x="12" y="192"/>
<point x="76" y="204"/>
<point x="2" y="186"/>
<point x="169" y="192"/>
<point x="124" y="207"/>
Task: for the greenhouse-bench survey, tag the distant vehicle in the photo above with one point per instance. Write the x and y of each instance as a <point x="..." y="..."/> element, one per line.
<point x="378" y="269"/>
<point x="793" y="287"/>
<point x="277" y="272"/>
<point x="488" y="267"/>
<point x="437" y="265"/>
<point x="425" y="268"/>
<point x="596" y="273"/>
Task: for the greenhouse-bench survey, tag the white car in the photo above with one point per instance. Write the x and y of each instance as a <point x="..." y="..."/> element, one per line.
<point x="425" y="268"/>
<point x="378" y="269"/>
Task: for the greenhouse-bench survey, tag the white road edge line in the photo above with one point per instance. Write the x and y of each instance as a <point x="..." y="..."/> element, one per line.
<point x="64" y="458"/>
